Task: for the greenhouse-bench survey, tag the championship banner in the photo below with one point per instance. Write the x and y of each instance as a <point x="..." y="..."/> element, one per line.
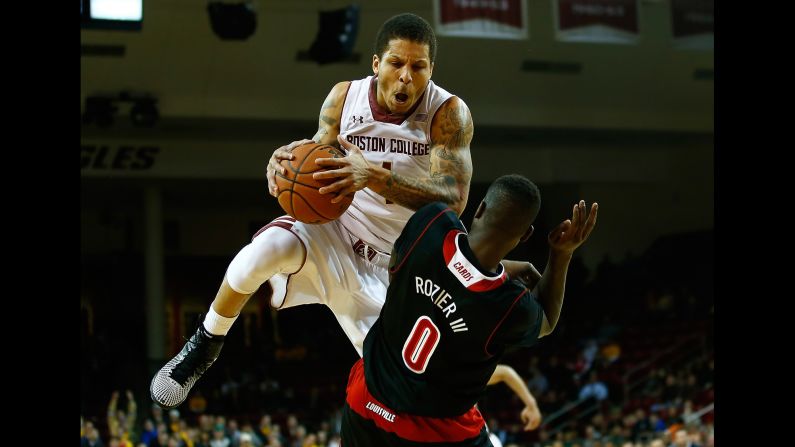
<point x="602" y="21"/>
<point x="693" y="24"/>
<point x="491" y="19"/>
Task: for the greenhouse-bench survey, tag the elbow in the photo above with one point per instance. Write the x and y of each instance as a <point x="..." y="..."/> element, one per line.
<point x="547" y="326"/>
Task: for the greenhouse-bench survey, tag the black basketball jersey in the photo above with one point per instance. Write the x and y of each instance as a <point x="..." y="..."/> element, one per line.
<point x="446" y="321"/>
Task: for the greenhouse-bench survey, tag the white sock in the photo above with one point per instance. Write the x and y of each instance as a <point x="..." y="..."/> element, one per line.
<point x="218" y="324"/>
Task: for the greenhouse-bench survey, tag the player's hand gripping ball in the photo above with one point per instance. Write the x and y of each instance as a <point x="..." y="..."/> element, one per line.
<point x="298" y="191"/>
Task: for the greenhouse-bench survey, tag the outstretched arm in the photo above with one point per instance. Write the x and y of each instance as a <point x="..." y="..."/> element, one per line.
<point x="563" y="240"/>
<point x="449" y="174"/>
<point x="530" y="415"/>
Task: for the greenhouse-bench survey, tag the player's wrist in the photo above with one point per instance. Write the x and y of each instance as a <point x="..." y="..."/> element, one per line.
<point x="377" y="177"/>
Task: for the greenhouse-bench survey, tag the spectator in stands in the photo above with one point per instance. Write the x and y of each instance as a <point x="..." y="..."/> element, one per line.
<point x="183" y="432"/>
<point x="538" y="383"/>
<point x="497" y="434"/>
<point x="594" y="388"/>
<point x="248" y="429"/>
<point x="642" y="424"/>
<point x="204" y="439"/>
<point x="173" y="420"/>
<point x="219" y="438"/>
<point x="205" y="423"/>
<point x="157" y="415"/>
<point x="91" y="438"/>
<point x="121" y="424"/>
<point x="277" y="438"/>
<point x="162" y="438"/>
<point x="149" y="432"/>
<point x="591" y="436"/>
<point x="246" y="440"/>
<point x="265" y="428"/>
<point x="233" y="432"/>
<point x="681" y="439"/>
<point x="657" y="423"/>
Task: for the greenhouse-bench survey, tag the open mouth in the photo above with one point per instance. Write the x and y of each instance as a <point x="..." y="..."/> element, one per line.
<point x="401" y="98"/>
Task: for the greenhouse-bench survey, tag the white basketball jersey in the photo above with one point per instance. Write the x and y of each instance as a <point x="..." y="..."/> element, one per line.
<point x="403" y="148"/>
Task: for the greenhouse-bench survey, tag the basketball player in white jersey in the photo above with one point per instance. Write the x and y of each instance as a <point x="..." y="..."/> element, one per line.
<point x="407" y="143"/>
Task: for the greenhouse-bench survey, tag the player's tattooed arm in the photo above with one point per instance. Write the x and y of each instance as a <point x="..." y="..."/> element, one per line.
<point x="330" y="114"/>
<point x="328" y="129"/>
<point x="451" y="163"/>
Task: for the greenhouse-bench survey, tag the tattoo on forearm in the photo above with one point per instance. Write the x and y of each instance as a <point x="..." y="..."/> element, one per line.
<point x="450" y="169"/>
<point x="414" y="193"/>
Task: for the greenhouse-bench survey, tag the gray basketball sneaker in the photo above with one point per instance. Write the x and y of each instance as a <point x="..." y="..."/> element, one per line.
<point x="171" y="384"/>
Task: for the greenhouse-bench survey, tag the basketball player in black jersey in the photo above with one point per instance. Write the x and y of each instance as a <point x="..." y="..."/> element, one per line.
<point x="450" y="313"/>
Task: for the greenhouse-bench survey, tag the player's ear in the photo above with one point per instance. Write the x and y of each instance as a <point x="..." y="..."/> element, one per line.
<point x="376" y="61"/>
<point x="481" y="209"/>
<point x="527" y="234"/>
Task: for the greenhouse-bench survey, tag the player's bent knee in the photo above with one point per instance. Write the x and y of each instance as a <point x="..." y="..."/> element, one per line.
<point x="273" y="251"/>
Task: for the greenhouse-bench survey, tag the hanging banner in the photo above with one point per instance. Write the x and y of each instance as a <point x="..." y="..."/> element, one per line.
<point x="693" y="24"/>
<point x="491" y="19"/>
<point x="602" y="21"/>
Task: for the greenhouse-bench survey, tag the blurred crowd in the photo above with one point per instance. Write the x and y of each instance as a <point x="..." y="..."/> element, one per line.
<point x="631" y="364"/>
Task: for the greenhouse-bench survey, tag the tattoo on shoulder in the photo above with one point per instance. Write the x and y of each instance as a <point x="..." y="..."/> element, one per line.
<point x="444" y="179"/>
<point x="457" y="129"/>
<point x="330" y="102"/>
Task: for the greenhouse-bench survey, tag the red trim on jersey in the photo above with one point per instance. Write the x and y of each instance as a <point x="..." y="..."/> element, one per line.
<point x="486" y="346"/>
<point x="418" y="239"/>
<point x="407" y="426"/>
<point x="382" y="115"/>
<point x="342" y="113"/>
<point x="285" y="222"/>
<point x="450" y="248"/>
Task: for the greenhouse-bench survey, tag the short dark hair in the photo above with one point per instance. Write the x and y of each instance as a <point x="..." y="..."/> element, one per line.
<point x="513" y="196"/>
<point x="406" y="26"/>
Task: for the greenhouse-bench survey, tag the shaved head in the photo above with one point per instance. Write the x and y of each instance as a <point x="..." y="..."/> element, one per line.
<point x="512" y="203"/>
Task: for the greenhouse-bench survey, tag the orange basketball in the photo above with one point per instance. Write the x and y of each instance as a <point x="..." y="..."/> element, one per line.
<point x="298" y="191"/>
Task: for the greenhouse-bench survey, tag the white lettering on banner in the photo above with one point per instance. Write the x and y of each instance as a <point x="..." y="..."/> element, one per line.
<point x="501" y="5"/>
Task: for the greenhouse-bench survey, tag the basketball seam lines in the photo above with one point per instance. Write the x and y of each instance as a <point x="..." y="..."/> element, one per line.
<point x="294" y="181"/>
<point x="292" y="207"/>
